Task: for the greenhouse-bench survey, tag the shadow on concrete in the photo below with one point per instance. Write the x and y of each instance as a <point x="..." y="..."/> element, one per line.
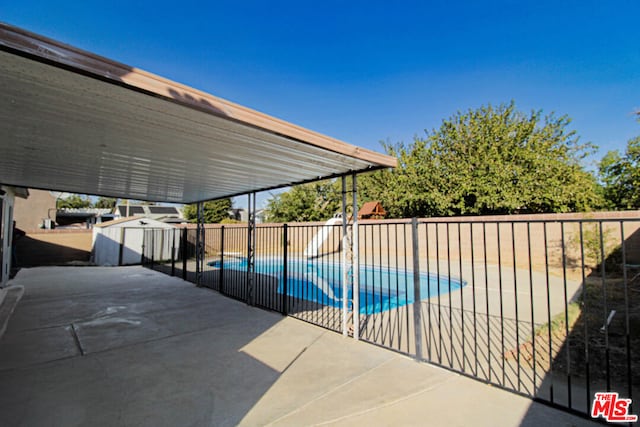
<point x="99" y="346"/>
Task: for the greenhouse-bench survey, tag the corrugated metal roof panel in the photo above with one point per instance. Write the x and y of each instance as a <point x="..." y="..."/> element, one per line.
<point x="76" y="122"/>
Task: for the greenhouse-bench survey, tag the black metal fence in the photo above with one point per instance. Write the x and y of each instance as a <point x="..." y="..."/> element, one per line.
<point x="545" y="308"/>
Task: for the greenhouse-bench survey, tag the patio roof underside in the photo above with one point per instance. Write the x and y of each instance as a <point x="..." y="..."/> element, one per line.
<point x="73" y="121"/>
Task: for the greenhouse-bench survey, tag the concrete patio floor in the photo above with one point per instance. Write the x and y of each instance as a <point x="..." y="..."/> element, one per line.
<point x="127" y="346"/>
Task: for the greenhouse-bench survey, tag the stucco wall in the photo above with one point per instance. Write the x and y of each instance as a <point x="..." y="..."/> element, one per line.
<point x="53" y="247"/>
<point x="30" y="213"/>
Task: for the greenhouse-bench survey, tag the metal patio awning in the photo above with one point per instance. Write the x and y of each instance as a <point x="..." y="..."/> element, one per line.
<point x="77" y="122"/>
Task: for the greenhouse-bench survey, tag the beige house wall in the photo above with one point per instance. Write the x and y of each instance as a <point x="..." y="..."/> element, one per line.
<point x="30" y="213"/>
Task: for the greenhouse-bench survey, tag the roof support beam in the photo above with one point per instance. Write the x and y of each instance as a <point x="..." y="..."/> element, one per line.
<point x="355" y="268"/>
<point x="251" y="248"/>
<point x="345" y="265"/>
<point x="200" y="243"/>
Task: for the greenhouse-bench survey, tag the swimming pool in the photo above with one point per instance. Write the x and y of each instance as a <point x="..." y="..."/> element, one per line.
<point x="381" y="288"/>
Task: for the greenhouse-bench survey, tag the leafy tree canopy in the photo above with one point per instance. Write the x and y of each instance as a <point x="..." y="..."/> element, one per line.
<point x="620" y="175"/>
<point x="492" y="160"/>
<point x="214" y="211"/>
<point x="73" y="201"/>
<point x="488" y="161"/>
<point x="316" y="201"/>
<point x="105" y="203"/>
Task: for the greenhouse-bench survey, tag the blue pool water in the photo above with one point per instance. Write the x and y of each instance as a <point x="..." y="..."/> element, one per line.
<point x="381" y="288"/>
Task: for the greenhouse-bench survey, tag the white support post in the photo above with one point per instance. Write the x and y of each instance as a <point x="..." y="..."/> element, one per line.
<point x="355" y="244"/>
<point x="199" y="243"/>
<point x="345" y="272"/>
<point x="251" y="243"/>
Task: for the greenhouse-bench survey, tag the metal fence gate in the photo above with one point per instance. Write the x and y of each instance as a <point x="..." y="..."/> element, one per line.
<point x="545" y="308"/>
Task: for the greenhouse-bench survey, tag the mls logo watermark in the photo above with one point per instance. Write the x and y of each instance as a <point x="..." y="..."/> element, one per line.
<point x="612" y="408"/>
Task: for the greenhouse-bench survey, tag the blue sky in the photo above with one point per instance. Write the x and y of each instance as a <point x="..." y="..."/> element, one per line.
<point x="370" y="71"/>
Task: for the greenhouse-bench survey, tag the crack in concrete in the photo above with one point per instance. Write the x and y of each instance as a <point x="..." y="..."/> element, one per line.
<point x="301" y="352"/>
<point x="76" y="339"/>
<point x="391" y="403"/>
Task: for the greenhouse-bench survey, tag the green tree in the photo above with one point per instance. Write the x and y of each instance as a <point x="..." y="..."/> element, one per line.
<point x="488" y="161"/>
<point x="316" y="201"/>
<point x="105" y="203"/>
<point x="621" y="176"/>
<point x="73" y="201"/>
<point x="214" y="211"/>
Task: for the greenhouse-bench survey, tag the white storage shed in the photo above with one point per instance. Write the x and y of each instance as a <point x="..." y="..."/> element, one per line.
<point x="119" y="242"/>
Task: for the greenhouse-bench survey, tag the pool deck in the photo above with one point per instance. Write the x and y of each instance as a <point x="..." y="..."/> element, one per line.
<point x="126" y="346"/>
